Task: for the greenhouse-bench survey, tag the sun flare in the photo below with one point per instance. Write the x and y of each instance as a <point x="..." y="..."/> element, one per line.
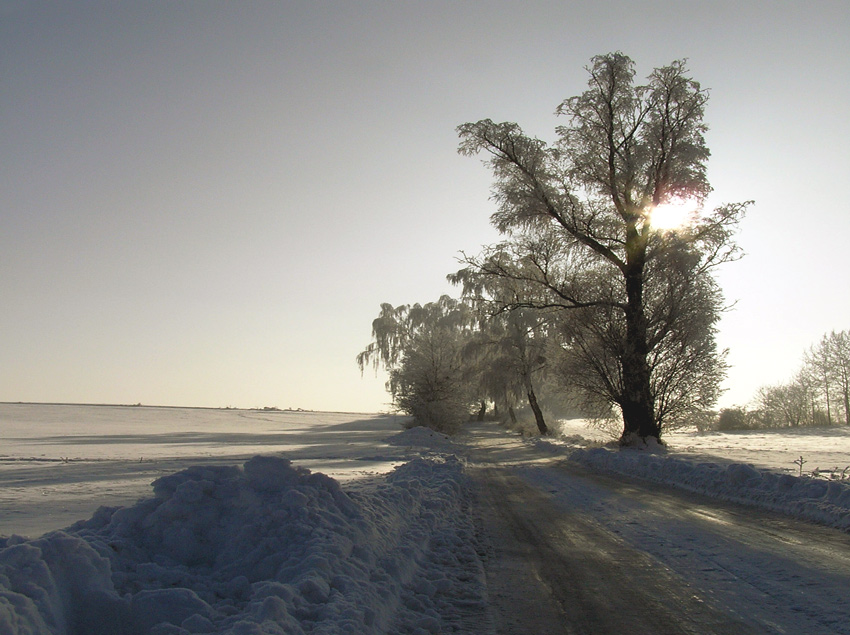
<point x="672" y="215"/>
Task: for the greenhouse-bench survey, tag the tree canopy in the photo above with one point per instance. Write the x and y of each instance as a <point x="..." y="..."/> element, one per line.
<point x="587" y="284"/>
<point x="580" y="237"/>
<point x="421" y="348"/>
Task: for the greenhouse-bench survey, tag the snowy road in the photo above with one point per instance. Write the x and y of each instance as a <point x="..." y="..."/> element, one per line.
<point x="574" y="552"/>
<point x="485" y="534"/>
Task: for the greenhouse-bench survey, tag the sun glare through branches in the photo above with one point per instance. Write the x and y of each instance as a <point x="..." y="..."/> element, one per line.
<point x="673" y="215"/>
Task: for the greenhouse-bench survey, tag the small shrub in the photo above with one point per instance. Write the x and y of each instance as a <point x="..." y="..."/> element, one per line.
<point x="732" y="419"/>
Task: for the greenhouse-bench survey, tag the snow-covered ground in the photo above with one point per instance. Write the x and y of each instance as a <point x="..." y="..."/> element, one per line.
<point x="822" y="449"/>
<point x="345" y="524"/>
<point x="753" y="468"/>
<point x="58" y="463"/>
<point x="262" y="547"/>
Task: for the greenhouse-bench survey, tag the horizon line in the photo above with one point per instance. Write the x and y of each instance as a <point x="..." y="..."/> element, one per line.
<point x="141" y="405"/>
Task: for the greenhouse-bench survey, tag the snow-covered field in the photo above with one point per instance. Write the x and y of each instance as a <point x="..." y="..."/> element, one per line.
<point x="822" y="449"/>
<point x="58" y="464"/>
<point x="231" y="545"/>
<point x="346" y="524"/>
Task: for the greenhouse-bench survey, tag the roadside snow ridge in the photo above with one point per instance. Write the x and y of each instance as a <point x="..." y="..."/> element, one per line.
<point x="265" y="548"/>
<point x="823" y="501"/>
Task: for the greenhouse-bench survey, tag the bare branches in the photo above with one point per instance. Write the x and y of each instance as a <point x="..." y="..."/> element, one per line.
<point x="538" y="273"/>
<point x="531" y="188"/>
<point x="581" y="244"/>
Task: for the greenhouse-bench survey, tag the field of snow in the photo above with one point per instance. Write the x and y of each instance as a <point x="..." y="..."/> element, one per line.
<point x="822" y="449"/>
<point x="346" y="524"/>
<point x="59" y="463"/>
<point x="264" y="546"/>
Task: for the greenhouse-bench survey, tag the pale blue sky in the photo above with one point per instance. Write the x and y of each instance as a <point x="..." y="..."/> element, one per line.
<point x="205" y="203"/>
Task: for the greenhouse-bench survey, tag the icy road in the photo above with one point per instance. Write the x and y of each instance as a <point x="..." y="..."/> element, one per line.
<point x="575" y="552"/>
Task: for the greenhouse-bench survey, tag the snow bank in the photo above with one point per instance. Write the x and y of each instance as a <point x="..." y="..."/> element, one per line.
<point x="424" y="438"/>
<point x="265" y="548"/>
<point x="822" y="501"/>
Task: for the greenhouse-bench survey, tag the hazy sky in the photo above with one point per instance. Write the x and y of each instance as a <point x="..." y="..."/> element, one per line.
<point x="205" y="203"/>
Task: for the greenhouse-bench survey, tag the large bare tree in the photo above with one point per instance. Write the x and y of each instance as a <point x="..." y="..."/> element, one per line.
<point x="580" y="212"/>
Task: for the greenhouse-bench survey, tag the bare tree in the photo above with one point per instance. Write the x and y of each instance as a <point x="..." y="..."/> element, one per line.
<point x="580" y="212"/>
<point x="783" y="405"/>
<point x="809" y="398"/>
<point x="839" y="356"/>
<point x="828" y="363"/>
<point x="818" y="365"/>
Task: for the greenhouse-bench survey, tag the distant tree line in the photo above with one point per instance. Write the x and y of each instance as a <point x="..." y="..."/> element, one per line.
<point x="586" y="292"/>
<point x="818" y="395"/>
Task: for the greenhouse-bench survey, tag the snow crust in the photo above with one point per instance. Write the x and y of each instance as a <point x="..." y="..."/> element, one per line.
<point x="826" y="501"/>
<point x="268" y="547"/>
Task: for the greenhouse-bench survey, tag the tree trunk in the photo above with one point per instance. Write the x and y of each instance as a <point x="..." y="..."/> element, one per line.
<point x="538" y="413"/>
<point x="828" y="405"/>
<point x="512" y="414"/>
<point x="482" y="411"/>
<point x="637" y="402"/>
<point x="846" y="408"/>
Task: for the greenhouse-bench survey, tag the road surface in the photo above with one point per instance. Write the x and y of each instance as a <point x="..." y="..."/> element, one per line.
<point x="573" y="552"/>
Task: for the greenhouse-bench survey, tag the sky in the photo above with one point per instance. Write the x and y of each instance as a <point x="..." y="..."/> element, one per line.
<point x="204" y="203"/>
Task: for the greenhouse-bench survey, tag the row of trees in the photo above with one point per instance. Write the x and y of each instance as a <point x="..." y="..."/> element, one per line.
<point x="445" y="357"/>
<point x="819" y="394"/>
<point x="624" y="309"/>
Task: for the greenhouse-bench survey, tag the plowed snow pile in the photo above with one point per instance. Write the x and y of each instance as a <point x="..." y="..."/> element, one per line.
<point x="264" y="548"/>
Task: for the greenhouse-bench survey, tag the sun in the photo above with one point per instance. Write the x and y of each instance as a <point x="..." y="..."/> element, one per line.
<point x="673" y="215"/>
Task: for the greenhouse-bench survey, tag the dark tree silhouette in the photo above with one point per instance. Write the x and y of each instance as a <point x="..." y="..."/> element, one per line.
<point x="579" y="213"/>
